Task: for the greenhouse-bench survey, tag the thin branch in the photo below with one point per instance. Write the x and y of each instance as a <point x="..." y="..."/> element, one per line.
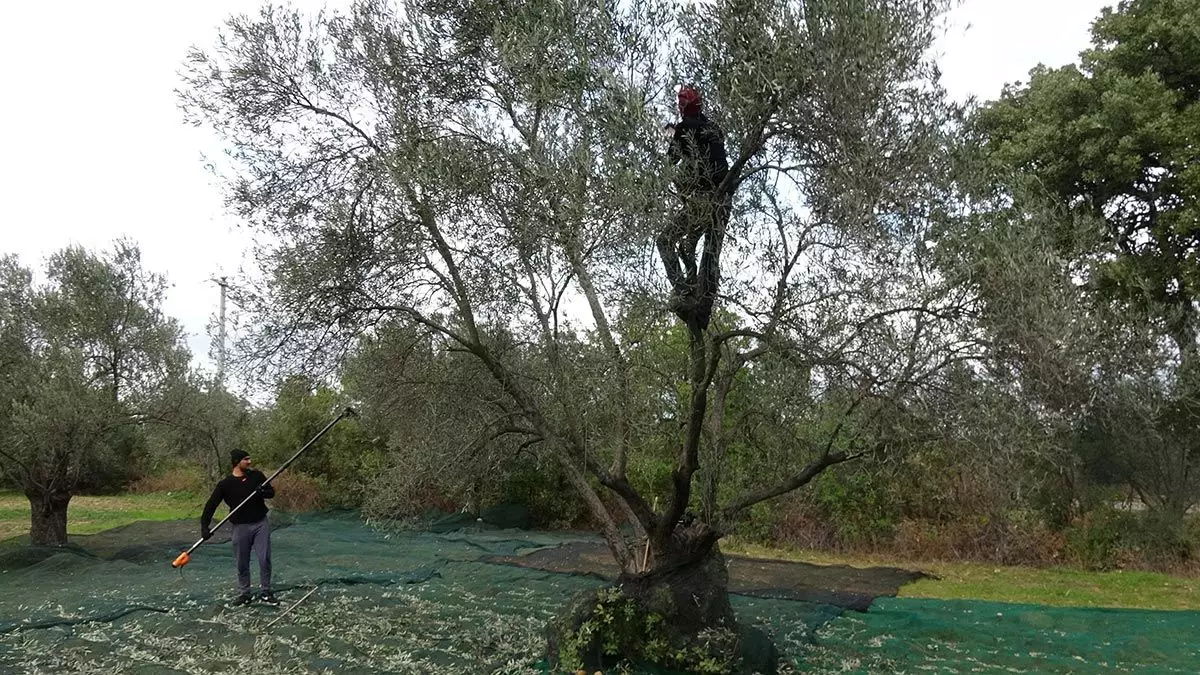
<point x="302" y="101"/>
<point x="809" y="472"/>
<point x="24" y="467"/>
<point x="420" y="318"/>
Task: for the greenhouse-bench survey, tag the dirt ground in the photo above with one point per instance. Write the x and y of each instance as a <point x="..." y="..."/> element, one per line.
<point x="849" y="587"/>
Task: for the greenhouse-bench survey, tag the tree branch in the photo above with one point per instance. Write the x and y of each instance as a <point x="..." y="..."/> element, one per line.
<point x="689" y="459"/>
<point x="621" y="486"/>
<point x="750" y="148"/>
<point x="616" y="541"/>
<point x="809" y="472"/>
<point x="302" y="101"/>
<point x="420" y="318"/>
<point x="604" y="330"/>
<point x="24" y="467"/>
<point x="460" y="289"/>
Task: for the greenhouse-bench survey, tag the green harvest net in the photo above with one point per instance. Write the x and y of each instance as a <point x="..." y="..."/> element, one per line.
<point x="475" y="600"/>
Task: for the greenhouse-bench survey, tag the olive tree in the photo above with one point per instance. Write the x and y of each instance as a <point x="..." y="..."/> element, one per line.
<point x="86" y="355"/>
<point x="492" y="173"/>
<point x="198" y="422"/>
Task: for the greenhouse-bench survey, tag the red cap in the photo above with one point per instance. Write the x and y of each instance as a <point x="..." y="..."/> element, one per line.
<point x="689" y="101"/>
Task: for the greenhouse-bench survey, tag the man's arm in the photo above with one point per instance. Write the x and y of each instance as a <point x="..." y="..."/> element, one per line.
<point x="675" y="150"/>
<point x="210" y="507"/>
<point x="268" y="491"/>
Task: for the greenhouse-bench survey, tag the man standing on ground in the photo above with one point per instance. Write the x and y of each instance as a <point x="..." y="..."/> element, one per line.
<point x="251" y="531"/>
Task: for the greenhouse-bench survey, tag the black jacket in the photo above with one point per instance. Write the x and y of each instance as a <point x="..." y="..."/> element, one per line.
<point x="233" y="490"/>
<point x="698" y="146"/>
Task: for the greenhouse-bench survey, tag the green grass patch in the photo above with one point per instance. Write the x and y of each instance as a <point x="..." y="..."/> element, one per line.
<point x="89" y="515"/>
<point x="1058" y="586"/>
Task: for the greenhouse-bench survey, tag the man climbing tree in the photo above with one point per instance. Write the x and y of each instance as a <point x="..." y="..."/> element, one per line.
<point x="698" y="151"/>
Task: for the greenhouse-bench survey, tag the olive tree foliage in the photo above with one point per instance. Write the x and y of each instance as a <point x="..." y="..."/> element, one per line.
<point x="302" y="407"/>
<point x="109" y="307"/>
<point x="52" y="422"/>
<point x="87" y="354"/>
<point x="1009" y="423"/>
<point x="492" y="173"/>
<point x="199" y="424"/>
<point x="1115" y="136"/>
<point x="444" y="418"/>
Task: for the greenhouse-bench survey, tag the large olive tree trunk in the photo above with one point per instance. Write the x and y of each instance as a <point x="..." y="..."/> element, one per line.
<point x="48" y="517"/>
<point x="656" y="616"/>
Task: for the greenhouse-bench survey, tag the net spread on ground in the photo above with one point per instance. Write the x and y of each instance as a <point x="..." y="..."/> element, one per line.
<point x="457" y="597"/>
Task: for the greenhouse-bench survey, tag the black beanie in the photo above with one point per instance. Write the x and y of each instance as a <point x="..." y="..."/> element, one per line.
<point x="237" y="456"/>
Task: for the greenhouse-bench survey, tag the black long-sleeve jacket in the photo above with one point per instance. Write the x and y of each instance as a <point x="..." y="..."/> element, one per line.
<point x="233" y="490"/>
<point x="698" y="146"/>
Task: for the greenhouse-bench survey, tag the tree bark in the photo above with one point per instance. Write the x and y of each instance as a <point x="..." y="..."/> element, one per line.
<point x="657" y="617"/>
<point x="48" y="518"/>
<point x="689" y="456"/>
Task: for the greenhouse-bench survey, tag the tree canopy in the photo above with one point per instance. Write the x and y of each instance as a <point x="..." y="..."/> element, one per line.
<point x="1113" y="144"/>
<point x="426" y="163"/>
<point x="87" y="354"/>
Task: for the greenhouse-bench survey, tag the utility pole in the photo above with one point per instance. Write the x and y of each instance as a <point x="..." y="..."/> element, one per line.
<point x="221" y="335"/>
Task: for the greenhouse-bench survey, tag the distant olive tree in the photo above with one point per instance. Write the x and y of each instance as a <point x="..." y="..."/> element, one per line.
<point x="1110" y="143"/>
<point x="198" y="423"/>
<point x="87" y="355"/>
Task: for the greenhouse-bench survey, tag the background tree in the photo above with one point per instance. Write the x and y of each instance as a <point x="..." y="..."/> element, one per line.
<point x="199" y="424"/>
<point x="16" y="350"/>
<point x="90" y="352"/>
<point x="340" y="461"/>
<point x="1112" y="141"/>
<point x="436" y="412"/>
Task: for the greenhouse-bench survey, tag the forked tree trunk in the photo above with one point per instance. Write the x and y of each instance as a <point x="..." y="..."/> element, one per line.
<point x="48" y="518"/>
<point x="687" y="583"/>
<point x="675" y="615"/>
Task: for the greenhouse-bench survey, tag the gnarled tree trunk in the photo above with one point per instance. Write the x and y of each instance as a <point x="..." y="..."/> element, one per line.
<point x="687" y="582"/>
<point x="676" y="615"/>
<point x="48" y="518"/>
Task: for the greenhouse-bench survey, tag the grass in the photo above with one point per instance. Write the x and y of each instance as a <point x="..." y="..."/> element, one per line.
<point x="1059" y="586"/>
<point x="88" y="515"/>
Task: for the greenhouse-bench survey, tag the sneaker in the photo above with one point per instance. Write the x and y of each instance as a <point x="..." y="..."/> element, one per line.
<point x="243" y="599"/>
<point x="268" y="597"/>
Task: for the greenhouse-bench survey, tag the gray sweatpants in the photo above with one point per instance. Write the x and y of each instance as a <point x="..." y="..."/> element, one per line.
<point x="255" y="536"/>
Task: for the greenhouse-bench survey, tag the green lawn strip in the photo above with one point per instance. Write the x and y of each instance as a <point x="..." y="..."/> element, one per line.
<point x="88" y="514"/>
<point x="1059" y="586"/>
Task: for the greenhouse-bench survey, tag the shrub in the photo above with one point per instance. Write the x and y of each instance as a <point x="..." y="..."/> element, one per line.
<point x="800" y="525"/>
<point x="397" y="495"/>
<point x="858" y="506"/>
<point x="1011" y="539"/>
<point x="840" y="510"/>
<point x="551" y="501"/>
<point x="1106" y="538"/>
<point x="178" y="479"/>
<point x="297" y="492"/>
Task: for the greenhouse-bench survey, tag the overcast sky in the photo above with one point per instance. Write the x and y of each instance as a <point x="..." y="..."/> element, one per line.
<point x="92" y="145"/>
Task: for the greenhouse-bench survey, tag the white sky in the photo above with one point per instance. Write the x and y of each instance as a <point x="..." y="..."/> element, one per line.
<point x="93" y="147"/>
